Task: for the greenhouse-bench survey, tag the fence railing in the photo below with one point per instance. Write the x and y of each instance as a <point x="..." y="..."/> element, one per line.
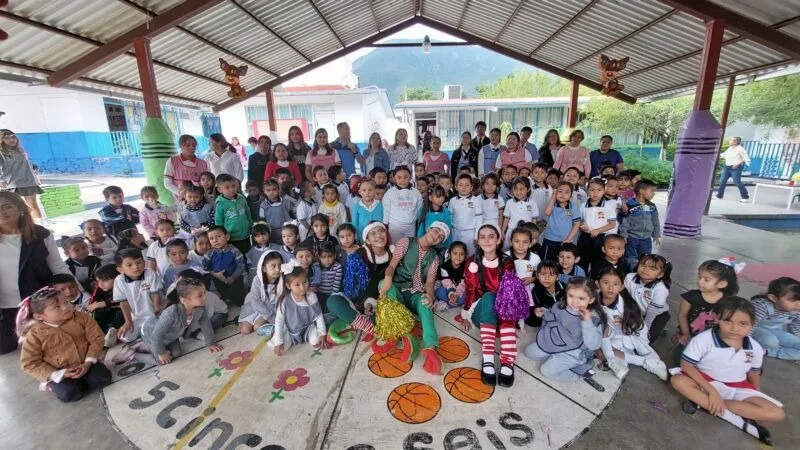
<point x="125" y="143"/>
<point x="773" y="160"/>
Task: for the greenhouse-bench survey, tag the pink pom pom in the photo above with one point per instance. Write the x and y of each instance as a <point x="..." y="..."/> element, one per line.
<point x="513" y="301"/>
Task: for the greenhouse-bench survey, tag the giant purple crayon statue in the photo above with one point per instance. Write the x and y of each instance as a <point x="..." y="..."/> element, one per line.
<point x="693" y="172"/>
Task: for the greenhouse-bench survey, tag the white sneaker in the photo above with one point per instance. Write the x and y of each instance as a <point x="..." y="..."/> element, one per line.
<point x="111" y="337"/>
<point x="744" y="200"/>
<point x="619" y="367"/>
<point x="656" y="367"/>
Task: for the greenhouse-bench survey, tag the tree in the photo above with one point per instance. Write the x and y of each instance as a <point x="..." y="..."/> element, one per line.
<point x="419" y="93"/>
<point x="769" y="102"/>
<point x="524" y="83"/>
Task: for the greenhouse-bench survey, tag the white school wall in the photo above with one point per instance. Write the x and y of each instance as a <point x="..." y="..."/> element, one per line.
<point x="44" y="109"/>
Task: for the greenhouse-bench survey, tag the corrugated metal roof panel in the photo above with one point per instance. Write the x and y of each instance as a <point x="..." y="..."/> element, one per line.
<point x="792" y="30"/>
<point x="444" y="11"/>
<point x="38" y="48"/>
<point x="768" y="12"/>
<point x="248" y="39"/>
<point x="297" y="22"/>
<point x="99" y="20"/>
<point x="598" y="26"/>
<point x="392" y="13"/>
<point x="536" y="21"/>
<point x="730" y="59"/>
<point x="158" y="6"/>
<point x="351" y="20"/>
<point x="487" y="26"/>
<point x="679" y="73"/>
<point x="172" y="82"/>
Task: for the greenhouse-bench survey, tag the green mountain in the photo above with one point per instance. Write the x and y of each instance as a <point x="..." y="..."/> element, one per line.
<point x="395" y="69"/>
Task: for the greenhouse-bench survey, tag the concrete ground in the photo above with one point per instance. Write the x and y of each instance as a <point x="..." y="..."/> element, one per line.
<point x="644" y="414"/>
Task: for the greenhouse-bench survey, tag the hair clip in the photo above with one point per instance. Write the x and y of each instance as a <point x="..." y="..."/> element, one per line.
<point x="733" y="264"/>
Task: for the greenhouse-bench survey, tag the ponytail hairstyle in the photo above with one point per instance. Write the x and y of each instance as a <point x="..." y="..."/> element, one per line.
<point x="660" y="263"/>
<point x="588" y="286"/>
<point x="722" y="272"/>
<point x="435" y="190"/>
<point x="632" y="320"/>
<point x="478" y="258"/>
<point x="34" y="304"/>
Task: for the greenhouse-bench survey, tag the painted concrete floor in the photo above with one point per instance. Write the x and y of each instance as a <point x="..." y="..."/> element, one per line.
<point x="345" y="405"/>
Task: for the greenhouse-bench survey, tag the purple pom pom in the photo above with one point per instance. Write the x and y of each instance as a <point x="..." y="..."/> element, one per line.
<point x="513" y="300"/>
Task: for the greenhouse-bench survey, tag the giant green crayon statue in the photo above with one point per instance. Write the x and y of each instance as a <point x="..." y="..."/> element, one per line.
<point x="158" y="145"/>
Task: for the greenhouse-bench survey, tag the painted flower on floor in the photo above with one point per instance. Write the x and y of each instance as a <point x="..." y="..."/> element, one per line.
<point x="237" y="359"/>
<point x="289" y="380"/>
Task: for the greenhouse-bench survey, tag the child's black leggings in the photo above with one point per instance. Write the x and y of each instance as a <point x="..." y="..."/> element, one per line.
<point x="72" y="390"/>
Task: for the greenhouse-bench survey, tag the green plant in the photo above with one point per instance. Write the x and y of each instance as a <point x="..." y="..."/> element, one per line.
<point x="658" y="171"/>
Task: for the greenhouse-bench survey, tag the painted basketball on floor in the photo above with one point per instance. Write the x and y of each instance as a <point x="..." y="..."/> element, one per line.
<point x="452" y="349"/>
<point x="389" y="364"/>
<point x="414" y="403"/>
<point x="464" y="384"/>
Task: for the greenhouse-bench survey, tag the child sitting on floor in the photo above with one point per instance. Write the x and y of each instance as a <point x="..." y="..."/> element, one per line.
<point x="261" y="302"/>
<point x="226" y="264"/>
<point x="525" y="261"/>
<point x="107" y="313"/>
<point x="156" y="257"/>
<point x="330" y="274"/>
<point x="178" y="254"/>
<point x="216" y="310"/>
<point x="197" y="214"/>
<point x="299" y="316"/>
<point x="570" y="333"/>
<point x="162" y="335"/>
<point x="254" y="197"/>
<point x="546" y="292"/>
<point x="346" y="234"/>
<point x="70" y="292"/>
<point x="721" y="372"/>
<point x="80" y="262"/>
<point x="649" y="286"/>
<point x="307" y="208"/>
<point x="697" y="311"/>
<point x="201" y="246"/>
<point x="568" y="259"/>
<point x="625" y="338"/>
<point x="304" y="258"/>
<point x="137" y="290"/>
<point x="117" y="215"/>
<point x="290" y="235"/>
<point x="319" y="235"/>
<point x="100" y="245"/>
<point x="131" y="238"/>
<point x="613" y="251"/>
<point x="260" y="237"/>
<point x="60" y="346"/>
<point x="778" y="318"/>
<point x="451" y="291"/>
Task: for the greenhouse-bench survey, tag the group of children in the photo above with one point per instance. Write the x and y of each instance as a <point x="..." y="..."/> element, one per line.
<point x="581" y="249"/>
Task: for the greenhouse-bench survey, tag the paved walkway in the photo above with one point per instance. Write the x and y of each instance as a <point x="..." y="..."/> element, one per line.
<point x="344" y="403"/>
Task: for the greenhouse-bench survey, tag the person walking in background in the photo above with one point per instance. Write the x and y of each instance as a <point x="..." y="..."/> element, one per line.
<point x="16" y="173"/>
<point x="735" y="158"/>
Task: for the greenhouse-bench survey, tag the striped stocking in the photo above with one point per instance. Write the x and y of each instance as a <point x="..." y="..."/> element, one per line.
<point x="508" y="343"/>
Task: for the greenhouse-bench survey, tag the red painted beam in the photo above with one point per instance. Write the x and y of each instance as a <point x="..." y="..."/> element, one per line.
<point x="147" y="77"/>
<point x="742" y="25"/>
<point x="273" y="120"/>
<point x="726" y="107"/>
<point x="709" y="63"/>
<point x="572" y="114"/>
<point x="122" y="43"/>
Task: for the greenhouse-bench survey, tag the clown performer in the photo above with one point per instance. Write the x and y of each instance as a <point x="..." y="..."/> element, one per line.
<point x="411" y="278"/>
<point x="363" y="270"/>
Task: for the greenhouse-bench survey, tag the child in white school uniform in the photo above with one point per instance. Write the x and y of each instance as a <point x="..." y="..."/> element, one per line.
<point x="649" y="286"/>
<point x="401" y="206"/>
<point x="466" y="213"/>
<point x="625" y="338"/>
<point x="157" y="258"/>
<point x="599" y="217"/>
<point x="525" y="260"/>
<point x="299" y="316"/>
<point x="721" y="372"/>
<point x="540" y="190"/>
<point x="307" y="208"/>
<point x="520" y="208"/>
<point x="491" y="203"/>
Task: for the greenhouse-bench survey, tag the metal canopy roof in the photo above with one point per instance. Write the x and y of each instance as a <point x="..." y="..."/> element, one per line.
<point x="280" y="39"/>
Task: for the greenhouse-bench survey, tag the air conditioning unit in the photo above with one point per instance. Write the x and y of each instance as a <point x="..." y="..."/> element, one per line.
<point x="453" y="91"/>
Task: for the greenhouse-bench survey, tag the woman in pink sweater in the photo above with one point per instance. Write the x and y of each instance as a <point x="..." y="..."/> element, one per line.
<point x="574" y="155"/>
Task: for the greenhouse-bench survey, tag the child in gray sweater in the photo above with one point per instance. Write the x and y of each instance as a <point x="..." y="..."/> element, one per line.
<point x="161" y="335"/>
<point x="570" y="333"/>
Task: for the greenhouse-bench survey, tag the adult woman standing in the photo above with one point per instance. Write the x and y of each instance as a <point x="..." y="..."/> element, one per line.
<point x="401" y="153"/>
<point x="574" y="155"/>
<point x="30" y="258"/>
<point x="435" y="160"/>
<point x="549" y="148"/>
<point x="220" y="160"/>
<point x="16" y="172"/>
<point x="464" y="155"/>
<point x="239" y="149"/>
<point x="322" y="154"/>
<point x="185" y="166"/>
<point x="514" y="154"/>
<point x="282" y="159"/>
<point x="364" y="269"/>
<point x="735" y="158"/>
<point x="376" y="155"/>
<point x="298" y="147"/>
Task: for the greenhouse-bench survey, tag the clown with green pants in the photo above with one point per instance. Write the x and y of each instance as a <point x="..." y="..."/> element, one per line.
<point x="411" y="278"/>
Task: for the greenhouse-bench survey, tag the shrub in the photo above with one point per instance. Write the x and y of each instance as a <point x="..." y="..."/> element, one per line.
<point x="658" y="171"/>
